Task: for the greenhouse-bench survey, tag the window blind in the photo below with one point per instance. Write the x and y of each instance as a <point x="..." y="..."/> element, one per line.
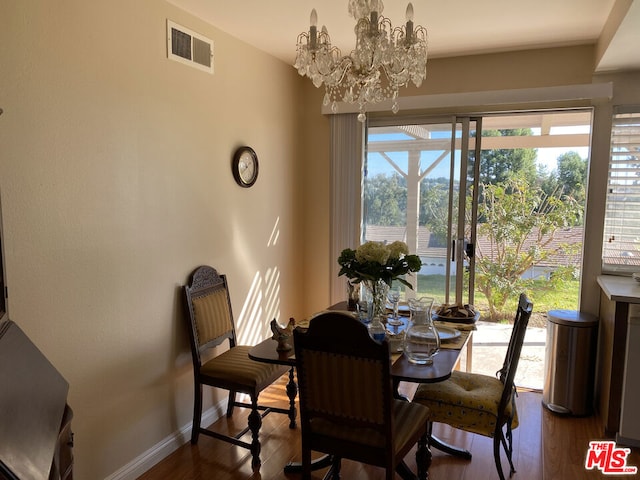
<point x="621" y="246"/>
<point x="347" y="146"/>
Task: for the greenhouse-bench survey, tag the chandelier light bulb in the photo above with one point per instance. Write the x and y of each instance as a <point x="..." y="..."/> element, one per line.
<point x="313" y="20"/>
<point x="325" y="34"/>
<point x="409" y="13"/>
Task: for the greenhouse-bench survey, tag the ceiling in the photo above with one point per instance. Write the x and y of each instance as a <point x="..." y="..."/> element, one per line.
<point x="455" y="27"/>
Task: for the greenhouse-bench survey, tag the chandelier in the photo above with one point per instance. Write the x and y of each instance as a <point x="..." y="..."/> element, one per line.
<point x="384" y="59"/>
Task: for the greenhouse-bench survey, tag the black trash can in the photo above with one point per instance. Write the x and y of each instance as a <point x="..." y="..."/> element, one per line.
<point x="572" y="340"/>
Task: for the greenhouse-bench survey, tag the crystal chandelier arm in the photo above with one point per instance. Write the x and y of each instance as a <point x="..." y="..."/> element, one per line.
<point x="331" y="66"/>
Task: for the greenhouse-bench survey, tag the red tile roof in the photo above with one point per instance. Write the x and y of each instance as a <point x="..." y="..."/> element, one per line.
<point x="570" y="236"/>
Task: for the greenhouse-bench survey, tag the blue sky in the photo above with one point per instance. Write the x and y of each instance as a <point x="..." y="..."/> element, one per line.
<point x="546" y="156"/>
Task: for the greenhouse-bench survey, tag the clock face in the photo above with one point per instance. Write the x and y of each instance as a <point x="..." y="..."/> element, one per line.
<point x="245" y="166"/>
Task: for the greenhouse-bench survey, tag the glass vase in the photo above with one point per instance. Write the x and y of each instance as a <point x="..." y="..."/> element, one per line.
<point x="377" y="292"/>
<point x="421" y="339"/>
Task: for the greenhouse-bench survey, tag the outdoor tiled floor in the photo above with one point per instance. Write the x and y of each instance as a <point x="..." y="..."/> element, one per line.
<point x="490" y="345"/>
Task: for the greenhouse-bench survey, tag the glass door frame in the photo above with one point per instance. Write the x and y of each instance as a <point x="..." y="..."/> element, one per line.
<point x="461" y="235"/>
<point x="463" y="244"/>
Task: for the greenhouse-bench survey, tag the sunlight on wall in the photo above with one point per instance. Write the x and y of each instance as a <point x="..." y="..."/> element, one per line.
<point x="275" y="234"/>
<point x="262" y="303"/>
<point x="248" y="322"/>
<point x="272" y="295"/>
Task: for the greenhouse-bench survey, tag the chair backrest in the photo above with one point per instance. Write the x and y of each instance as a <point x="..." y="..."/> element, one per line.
<point x="344" y="380"/>
<point x="512" y="357"/>
<point x="209" y="314"/>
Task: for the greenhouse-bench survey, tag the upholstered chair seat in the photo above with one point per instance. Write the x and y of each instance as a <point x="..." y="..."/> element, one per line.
<point x="235" y="366"/>
<point x="466" y="401"/>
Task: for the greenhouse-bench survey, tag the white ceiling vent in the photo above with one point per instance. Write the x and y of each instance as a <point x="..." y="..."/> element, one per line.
<point x="188" y="47"/>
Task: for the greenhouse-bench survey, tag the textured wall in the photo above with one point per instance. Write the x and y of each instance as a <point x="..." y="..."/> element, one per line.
<point x="115" y="180"/>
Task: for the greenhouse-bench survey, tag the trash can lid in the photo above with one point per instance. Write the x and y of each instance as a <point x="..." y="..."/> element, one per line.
<point x="572" y="318"/>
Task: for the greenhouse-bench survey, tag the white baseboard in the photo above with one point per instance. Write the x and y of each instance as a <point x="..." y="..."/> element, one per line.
<point x="164" y="448"/>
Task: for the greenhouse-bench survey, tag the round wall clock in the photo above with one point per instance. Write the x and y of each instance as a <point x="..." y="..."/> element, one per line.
<point x="245" y="166"/>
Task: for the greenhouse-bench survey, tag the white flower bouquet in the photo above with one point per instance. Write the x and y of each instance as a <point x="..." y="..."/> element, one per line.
<point x="378" y="261"/>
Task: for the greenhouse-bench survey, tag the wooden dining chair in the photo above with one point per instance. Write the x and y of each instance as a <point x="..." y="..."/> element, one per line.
<point x="482" y="404"/>
<point x="347" y="409"/>
<point x="210" y="324"/>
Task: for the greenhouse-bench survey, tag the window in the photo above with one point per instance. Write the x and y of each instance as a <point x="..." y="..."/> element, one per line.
<point x="621" y="243"/>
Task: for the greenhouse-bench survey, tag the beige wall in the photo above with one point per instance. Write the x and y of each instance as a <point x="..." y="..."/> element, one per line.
<point x="502" y="71"/>
<point x="315" y="197"/>
<point x="115" y="181"/>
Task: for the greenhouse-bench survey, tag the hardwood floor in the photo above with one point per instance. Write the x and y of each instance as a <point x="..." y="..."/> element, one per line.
<point x="560" y="456"/>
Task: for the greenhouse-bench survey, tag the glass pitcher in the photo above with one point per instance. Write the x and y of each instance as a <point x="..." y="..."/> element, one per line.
<point x="421" y="339"/>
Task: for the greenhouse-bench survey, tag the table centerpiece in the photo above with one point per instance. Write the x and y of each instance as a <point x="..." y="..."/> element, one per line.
<point x="376" y="265"/>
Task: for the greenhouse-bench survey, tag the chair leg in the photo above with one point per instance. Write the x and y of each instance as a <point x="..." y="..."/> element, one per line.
<point x="334" y="471"/>
<point x="197" y="412"/>
<point x="390" y="473"/>
<point x="499" y="438"/>
<point x="292" y="391"/>
<point x="255" y="422"/>
<point x="496" y="454"/>
<point x="232" y="403"/>
<point x="508" y="446"/>
<point x="306" y="463"/>
<point x="423" y="456"/>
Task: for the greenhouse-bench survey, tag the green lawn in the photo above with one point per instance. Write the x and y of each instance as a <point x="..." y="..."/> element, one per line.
<point x="542" y="293"/>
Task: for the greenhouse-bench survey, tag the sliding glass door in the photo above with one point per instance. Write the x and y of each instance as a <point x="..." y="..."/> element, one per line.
<point x="417" y="179"/>
<point x="494" y="206"/>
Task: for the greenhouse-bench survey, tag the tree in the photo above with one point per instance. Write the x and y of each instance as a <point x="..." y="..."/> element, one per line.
<point x="496" y="166"/>
<point x="547" y="181"/>
<point x="385" y="200"/>
<point x="572" y="175"/>
<point x="519" y="224"/>
<point x="434" y="209"/>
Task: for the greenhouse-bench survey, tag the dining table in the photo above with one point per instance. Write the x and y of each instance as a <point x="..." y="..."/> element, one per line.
<point x="402" y="370"/>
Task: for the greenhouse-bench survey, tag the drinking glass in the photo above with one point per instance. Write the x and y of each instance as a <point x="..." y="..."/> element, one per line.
<point x="353" y="295"/>
<point x="394" y="298"/>
<point x="364" y="308"/>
